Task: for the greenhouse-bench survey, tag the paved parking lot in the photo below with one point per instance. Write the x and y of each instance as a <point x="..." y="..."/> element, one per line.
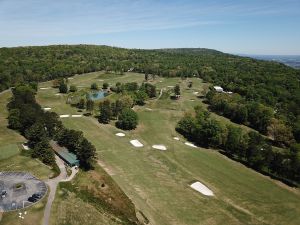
<point x="16" y="188"/>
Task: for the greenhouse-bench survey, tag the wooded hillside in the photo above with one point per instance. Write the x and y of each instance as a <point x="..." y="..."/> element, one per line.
<point x="270" y="83"/>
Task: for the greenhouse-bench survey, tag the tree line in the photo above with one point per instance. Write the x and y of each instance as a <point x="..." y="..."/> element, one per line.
<point x="253" y="114"/>
<point x="250" y="148"/>
<point x="39" y="127"/>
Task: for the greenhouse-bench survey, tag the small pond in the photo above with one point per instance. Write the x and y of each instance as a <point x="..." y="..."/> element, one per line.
<point x="97" y="95"/>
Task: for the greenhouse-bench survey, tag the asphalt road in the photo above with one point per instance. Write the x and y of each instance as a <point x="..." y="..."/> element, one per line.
<point x="52" y="183"/>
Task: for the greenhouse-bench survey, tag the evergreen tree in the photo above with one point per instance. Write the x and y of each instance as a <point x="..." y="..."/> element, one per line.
<point x="89" y="105"/>
<point x="94" y="86"/>
<point x="105" y="112"/>
<point x="177" y="90"/>
<point x="81" y="104"/>
<point x="63" y="88"/>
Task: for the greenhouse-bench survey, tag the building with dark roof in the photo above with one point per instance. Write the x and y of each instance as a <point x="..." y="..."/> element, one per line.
<point x="63" y="153"/>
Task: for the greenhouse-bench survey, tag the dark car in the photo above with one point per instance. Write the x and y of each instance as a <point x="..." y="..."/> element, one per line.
<point x="37" y="196"/>
<point x="31" y="199"/>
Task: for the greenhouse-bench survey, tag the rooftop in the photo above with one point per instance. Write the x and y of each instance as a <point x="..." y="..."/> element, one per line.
<point x="64" y="154"/>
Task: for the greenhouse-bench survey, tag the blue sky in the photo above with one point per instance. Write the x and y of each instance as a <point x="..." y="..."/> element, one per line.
<point x="235" y="26"/>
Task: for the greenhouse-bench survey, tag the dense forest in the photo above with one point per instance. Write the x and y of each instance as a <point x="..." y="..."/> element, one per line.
<point x="269" y="83"/>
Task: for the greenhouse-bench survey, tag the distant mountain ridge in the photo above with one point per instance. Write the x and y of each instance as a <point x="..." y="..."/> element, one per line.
<point x="289" y="60"/>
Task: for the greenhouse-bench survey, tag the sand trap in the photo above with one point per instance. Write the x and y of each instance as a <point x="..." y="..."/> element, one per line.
<point x="76" y="116"/>
<point x="149" y="109"/>
<point x="136" y="143"/>
<point x="70" y="78"/>
<point x="160" y="147"/>
<point x="192" y="100"/>
<point x="190" y="144"/>
<point x="170" y="86"/>
<point x="46" y="109"/>
<point x="197" y="186"/>
<point x="100" y="80"/>
<point x="120" y="134"/>
<point x="176" y="138"/>
<point x="160" y="81"/>
<point x="196" y="92"/>
<point x="25" y="147"/>
<point x="57" y="94"/>
<point x="44" y="88"/>
<point x="64" y="116"/>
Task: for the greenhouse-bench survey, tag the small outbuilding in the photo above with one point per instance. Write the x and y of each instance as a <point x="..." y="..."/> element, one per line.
<point x="63" y="153"/>
<point x="218" y="89"/>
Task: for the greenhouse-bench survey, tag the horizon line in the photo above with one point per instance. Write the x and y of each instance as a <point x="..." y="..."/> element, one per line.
<point x="162" y="48"/>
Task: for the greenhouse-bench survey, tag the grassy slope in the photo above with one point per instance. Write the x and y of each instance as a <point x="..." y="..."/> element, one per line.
<point x="157" y="182"/>
<point x="92" y="193"/>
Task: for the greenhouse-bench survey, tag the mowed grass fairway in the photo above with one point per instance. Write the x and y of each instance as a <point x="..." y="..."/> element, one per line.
<point x="158" y="181"/>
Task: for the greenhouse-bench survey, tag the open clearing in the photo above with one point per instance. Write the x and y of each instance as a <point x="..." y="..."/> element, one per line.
<point x="159" y="182"/>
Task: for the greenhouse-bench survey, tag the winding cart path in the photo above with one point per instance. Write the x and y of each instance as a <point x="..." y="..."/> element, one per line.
<point x="52" y="183"/>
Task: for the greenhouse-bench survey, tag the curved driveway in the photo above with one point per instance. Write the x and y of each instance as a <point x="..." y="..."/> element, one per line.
<point x="52" y="183"/>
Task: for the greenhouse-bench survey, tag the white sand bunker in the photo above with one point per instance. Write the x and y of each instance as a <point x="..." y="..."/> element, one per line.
<point x="120" y="134"/>
<point x="192" y="100"/>
<point x="76" y="116"/>
<point x="47" y="109"/>
<point x="70" y="78"/>
<point x="176" y="138"/>
<point x="170" y="86"/>
<point x="196" y="92"/>
<point x="190" y="144"/>
<point x="197" y="186"/>
<point x="136" y="143"/>
<point x="57" y="94"/>
<point x="25" y="147"/>
<point x="159" y="147"/>
<point x="44" y="88"/>
<point x="64" y="116"/>
<point x="149" y="109"/>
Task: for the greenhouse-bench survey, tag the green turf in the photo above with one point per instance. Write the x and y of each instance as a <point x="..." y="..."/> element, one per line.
<point x="8" y="151"/>
<point x="158" y="181"/>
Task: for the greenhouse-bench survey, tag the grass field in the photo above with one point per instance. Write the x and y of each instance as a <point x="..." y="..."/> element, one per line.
<point x="158" y="181"/>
